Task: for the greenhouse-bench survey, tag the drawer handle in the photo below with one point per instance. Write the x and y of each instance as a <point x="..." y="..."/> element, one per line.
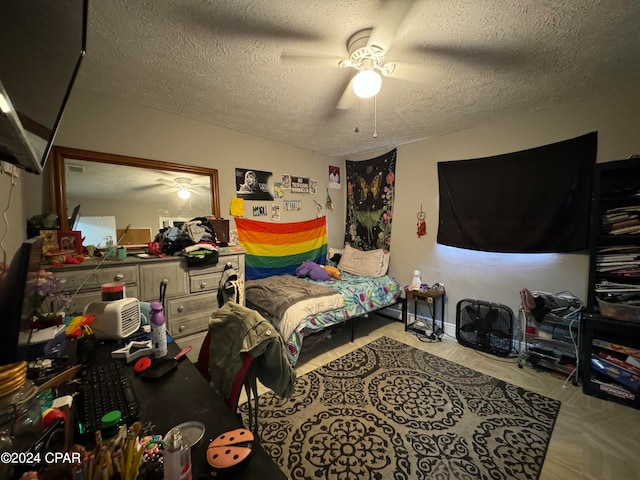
<point x="203" y="285"/>
<point x="181" y="328"/>
<point x="119" y="276"/>
<point x="180" y="309"/>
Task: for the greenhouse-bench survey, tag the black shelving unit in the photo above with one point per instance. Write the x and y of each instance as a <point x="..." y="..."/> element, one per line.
<point x="607" y="336"/>
<point x="603" y="338"/>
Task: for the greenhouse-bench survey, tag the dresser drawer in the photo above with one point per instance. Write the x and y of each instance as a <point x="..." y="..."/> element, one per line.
<point x="95" y="278"/>
<point x="205" y="283"/>
<point x="196" y="304"/>
<point x="188" y="325"/>
<point x="217" y="268"/>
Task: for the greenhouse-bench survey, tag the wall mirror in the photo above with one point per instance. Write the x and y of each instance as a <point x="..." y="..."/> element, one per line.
<point x="126" y="191"/>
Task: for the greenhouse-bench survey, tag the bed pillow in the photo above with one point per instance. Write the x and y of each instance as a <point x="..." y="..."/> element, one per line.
<point x="372" y="263"/>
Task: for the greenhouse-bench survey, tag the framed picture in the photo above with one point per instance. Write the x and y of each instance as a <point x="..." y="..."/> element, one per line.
<point x="334" y="176"/>
<point x="49" y="240"/>
<point x="299" y="184"/>
<point x="254" y="184"/>
<point x="70" y="240"/>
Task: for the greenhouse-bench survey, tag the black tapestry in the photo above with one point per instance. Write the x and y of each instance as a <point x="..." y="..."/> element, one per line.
<point x="370" y="192"/>
<point x="532" y="201"/>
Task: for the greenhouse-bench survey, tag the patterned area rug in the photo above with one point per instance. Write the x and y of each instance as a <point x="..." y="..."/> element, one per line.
<point x="390" y="411"/>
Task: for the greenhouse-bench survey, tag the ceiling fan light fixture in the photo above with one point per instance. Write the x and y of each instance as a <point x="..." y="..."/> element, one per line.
<point x="367" y="83"/>
<point x="183" y="193"/>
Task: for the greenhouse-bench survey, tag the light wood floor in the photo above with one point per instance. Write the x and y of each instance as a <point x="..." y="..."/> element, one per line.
<point x="592" y="438"/>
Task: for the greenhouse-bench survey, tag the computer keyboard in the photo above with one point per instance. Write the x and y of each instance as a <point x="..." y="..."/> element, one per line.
<point x="102" y="389"/>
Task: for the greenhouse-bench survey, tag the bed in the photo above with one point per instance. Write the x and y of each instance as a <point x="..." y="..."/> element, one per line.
<point x="274" y="251"/>
<point x="331" y="303"/>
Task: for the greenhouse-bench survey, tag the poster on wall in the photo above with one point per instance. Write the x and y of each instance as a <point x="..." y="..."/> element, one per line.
<point x="259" y="211"/>
<point x="313" y="187"/>
<point x="278" y="190"/>
<point x="253" y="184"/>
<point x="275" y="211"/>
<point x="291" y="205"/>
<point x="286" y="181"/>
<point x="334" y="176"/>
<point x="299" y="184"/>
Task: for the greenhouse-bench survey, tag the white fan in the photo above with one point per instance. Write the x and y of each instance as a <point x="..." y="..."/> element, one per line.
<point x="369" y="48"/>
<point x="183" y="186"/>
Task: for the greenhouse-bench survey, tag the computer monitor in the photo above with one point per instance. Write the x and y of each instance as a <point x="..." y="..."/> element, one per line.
<point x="18" y="288"/>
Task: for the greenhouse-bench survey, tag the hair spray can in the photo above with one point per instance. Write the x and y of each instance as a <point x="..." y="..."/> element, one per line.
<point x="158" y="331"/>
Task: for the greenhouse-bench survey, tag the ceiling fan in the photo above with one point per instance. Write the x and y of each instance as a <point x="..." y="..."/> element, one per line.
<point x="183" y="186"/>
<point x="367" y="49"/>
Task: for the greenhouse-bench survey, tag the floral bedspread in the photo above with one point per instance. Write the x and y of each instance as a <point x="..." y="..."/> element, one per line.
<point x="361" y="295"/>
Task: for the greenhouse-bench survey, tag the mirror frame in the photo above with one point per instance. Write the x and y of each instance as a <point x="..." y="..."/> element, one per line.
<point x="58" y="183"/>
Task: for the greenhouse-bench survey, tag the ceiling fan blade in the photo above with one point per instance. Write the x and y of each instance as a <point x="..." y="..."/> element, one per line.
<point x="481" y="56"/>
<point x="215" y="18"/>
<point x="391" y="17"/>
<point x="347" y="100"/>
<point x="141" y="188"/>
<point x="417" y="72"/>
<point x="166" y="182"/>
<point x="311" y="59"/>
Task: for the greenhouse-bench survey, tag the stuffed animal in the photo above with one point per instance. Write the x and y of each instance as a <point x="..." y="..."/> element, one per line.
<point x="313" y="271"/>
<point x="333" y="272"/>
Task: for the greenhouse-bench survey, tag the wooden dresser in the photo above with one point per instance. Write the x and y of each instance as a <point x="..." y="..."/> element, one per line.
<point x="191" y="294"/>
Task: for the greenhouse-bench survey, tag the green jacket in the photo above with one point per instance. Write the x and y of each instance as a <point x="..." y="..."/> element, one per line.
<point x="235" y="330"/>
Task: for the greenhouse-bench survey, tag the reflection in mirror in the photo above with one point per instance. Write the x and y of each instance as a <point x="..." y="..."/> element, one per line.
<point x="114" y="190"/>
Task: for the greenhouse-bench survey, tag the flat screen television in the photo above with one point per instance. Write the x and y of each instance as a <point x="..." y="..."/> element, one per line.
<point x="42" y="43"/>
<point x="18" y="288"/>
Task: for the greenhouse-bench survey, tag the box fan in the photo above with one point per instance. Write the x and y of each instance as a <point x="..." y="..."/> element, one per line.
<point x="485" y="326"/>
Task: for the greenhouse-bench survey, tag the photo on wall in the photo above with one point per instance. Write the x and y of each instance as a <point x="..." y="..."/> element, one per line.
<point x="334" y="176"/>
<point x="299" y="184"/>
<point x="254" y="184"/>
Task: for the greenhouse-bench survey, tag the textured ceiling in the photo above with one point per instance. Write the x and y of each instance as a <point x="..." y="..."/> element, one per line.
<point x="220" y="62"/>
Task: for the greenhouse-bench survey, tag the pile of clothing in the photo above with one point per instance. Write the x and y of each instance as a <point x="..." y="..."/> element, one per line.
<point x="181" y="240"/>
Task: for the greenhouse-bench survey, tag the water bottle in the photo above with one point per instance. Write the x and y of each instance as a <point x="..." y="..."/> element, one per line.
<point x="158" y="331"/>
<point x="176" y="457"/>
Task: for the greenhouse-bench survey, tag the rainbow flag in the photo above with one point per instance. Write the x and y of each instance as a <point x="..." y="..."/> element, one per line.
<point x="279" y="248"/>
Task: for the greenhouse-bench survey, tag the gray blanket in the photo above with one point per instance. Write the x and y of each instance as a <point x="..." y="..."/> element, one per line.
<point x="274" y="295"/>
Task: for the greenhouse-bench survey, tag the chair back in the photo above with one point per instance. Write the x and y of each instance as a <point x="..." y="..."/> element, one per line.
<point x="239" y="378"/>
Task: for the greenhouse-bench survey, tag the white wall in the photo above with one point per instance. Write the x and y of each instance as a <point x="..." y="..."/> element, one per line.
<point x="96" y="123"/>
<point x="13" y="227"/>
<point x="103" y="124"/>
<point x="489" y="276"/>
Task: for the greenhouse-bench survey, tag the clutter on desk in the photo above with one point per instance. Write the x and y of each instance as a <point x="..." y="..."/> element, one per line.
<point x="115" y="319"/>
<point x="230" y="451"/>
<point x="133" y="351"/>
<point x="176" y="456"/>
<point x="160" y="367"/>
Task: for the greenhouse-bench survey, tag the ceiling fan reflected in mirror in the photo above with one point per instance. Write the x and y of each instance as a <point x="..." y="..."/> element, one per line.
<point x="183" y="186"/>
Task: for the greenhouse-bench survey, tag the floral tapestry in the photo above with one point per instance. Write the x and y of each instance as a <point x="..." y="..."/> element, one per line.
<point x="370" y="192"/>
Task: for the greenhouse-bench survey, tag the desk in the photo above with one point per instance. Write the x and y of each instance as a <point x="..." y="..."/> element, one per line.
<point x="431" y="298"/>
<point x="183" y="395"/>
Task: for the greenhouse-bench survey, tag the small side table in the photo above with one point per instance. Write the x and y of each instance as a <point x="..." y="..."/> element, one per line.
<point x="434" y="299"/>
